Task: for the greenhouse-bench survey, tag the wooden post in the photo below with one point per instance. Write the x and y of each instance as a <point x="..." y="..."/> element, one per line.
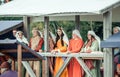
<point x="26" y="21"/>
<point x="77" y="21"/>
<point x="19" y="56"/>
<point x="108" y="54"/>
<point x="63" y="66"/>
<point x="13" y="65"/>
<point x="46" y="46"/>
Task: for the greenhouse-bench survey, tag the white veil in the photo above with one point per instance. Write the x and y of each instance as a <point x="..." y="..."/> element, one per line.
<point x="96" y="37"/>
<point x="52" y="35"/>
<point x="41" y="35"/>
<point x="65" y="38"/>
<point x="76" y="32"/>
<point x="24" y="40"/>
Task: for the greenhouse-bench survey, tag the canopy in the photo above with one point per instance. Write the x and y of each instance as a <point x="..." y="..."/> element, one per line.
<point x="111" y="42"/>
<point x="11" y="50"/>
<point x="6" y="26"/>
<point x="56" y="7"/>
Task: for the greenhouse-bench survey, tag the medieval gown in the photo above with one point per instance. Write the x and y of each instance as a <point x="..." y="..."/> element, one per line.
<point x="36" y="44"/>
<point x="94" y="69"/>
<point x="60" y="60"/>
<point x="74" y="69"/>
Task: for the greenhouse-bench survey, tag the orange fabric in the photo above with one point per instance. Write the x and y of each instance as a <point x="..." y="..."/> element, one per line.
<point x="74" y="69"/>
<point x="60" y="47"/>
<point x="59" y="61"/>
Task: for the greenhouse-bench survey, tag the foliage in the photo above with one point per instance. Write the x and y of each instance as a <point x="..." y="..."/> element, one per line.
<point x="11" y="18"/>
<point x="68" y="26"/>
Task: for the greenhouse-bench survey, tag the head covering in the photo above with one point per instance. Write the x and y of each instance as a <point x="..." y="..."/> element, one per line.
<point x="41" y="35"/>
<point x="65" y="38"/>
<point x="24" y="40"/>
<point x="52" y="35"/>
<point x="117" y="28"/>
<point x="95" y="36"/>
<point x="76" y="32"/>
<point x="5" y="65"/>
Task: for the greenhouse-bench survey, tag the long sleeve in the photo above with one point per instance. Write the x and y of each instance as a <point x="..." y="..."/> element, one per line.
<point x="78" y="47"/>
<point x="40" y="44"/>
<point x="69" y="47"/>
<point x="63" y="48"/>
<point x="60" y="47"/>
<point x="94" y="46"/>
<point x="30" y="43"/>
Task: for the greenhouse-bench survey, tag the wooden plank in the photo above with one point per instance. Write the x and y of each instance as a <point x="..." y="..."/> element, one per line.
<point x="108" y="57"/>
<point x="28" y="68"/>
<point x="83" y="65"/>
<point x="13" y="65"/>
<point x="97" y="55"/>
<point x="12" y="50"/>
<point x="19" y="60"/>
<point x="26" y="21"/>
<point x="63" y="66"/>
<point x="46" y="43"/>
<point x="77" y="21"/>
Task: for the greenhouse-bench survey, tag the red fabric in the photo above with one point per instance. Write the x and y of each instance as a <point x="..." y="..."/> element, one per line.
<point x="41" y="41"/>
<point x="74" y="69"/>
<point x="39" y="45"/>
<point x="89" y="63"/>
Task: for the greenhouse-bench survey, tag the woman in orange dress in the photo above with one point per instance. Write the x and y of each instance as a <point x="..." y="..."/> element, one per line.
<point x="60" y="47"/>
<point x="75" y="45"/>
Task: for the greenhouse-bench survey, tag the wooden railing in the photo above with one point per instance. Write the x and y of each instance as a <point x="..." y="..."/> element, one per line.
<point x="79" y="57"/>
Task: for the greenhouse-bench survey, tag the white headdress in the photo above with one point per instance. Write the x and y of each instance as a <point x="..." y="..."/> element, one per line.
<point x="24" y="40"/>
<point x="76" y="32"/>
<point x="41" y="35"/>
<point x="65" y="38"/>
<point x="53" y="36"/>
<point x="117" y="28"/>
<point x="95" y="36"/>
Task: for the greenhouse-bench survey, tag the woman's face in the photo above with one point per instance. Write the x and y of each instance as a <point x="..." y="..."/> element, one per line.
<point x="74" y="35"/>
<point x="34" y="33"/>
<point x="14" y="32"/>
<point x="115" y="30"/>
<point x="20" y="35"/>
<point x="118" y="70"/>
<point x="59" y="32"/>
<point x="89" y="36"/>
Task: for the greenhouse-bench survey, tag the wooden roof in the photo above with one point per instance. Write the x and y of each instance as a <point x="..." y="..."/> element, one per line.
<point x="9" y="48"/>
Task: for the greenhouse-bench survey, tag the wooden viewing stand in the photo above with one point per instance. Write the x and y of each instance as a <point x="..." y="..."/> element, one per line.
<point x="18" y="52"/>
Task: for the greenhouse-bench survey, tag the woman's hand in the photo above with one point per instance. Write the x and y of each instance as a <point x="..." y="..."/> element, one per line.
<point x="40" y="50"/>
<point x="89" y="51"/>
<point x="55" y="51"/>
<point x="68" y="52"/>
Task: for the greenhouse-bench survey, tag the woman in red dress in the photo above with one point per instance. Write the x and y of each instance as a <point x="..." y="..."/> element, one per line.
<point x="75" y="45"/>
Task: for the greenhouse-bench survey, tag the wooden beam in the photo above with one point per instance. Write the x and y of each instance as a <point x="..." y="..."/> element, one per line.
<point x="63" y="66"/>
<point x="28" y="68"/>
<point x="77" y="21"/>
<point x="26" y="22"/>
<point x="96" y="55"/>
<point x="108" y="54"/>
<point x="19" y="54"/>
<point x="83" y="65"/>
<point x="13" y="65"/>
<point x="46" y="43"/>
